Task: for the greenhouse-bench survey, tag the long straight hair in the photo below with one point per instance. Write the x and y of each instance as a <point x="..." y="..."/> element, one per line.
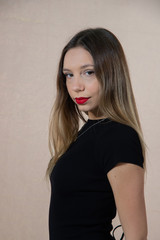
<point x="116" y="101"/>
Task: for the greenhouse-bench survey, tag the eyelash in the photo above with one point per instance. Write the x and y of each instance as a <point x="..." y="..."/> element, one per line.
<point x="88" y="72"/>
<point x="67" y="75"/>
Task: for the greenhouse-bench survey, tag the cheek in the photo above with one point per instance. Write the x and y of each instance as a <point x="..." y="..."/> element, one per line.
<point x="96" y="89"/>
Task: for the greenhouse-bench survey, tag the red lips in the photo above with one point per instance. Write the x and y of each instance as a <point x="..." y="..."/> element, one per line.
<point x="81" y="100"/>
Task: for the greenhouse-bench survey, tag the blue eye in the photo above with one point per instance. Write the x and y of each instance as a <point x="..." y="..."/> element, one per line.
<point x="89" y="72"/>
<point x="68" y="75"/>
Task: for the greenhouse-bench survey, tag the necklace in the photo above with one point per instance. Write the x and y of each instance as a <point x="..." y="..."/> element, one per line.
<point x="92" y="126"/>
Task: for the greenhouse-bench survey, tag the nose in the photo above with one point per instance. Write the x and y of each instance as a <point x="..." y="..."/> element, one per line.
<point x="78" y="84"/>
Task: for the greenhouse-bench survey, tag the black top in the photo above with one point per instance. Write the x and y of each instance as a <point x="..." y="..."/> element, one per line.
<point x="82" y="203"/>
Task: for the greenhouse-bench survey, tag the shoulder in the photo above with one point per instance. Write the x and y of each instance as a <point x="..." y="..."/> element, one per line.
<point x="118" y="143"/>
<point x="123" y="132"/>
<point x="117" y="131"/>
<point x="121" y="136"/>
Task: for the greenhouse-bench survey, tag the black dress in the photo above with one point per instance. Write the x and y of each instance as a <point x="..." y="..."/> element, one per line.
<point x="82" y="204"/>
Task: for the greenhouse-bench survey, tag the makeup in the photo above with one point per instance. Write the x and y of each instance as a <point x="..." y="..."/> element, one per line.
<point x="81" y="100"/>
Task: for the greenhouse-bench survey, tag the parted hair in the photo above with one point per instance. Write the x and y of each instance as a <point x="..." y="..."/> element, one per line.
<point x="117" y="100"/>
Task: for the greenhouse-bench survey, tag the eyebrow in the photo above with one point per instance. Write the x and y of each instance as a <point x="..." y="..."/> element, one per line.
<point x="82" y="67"/>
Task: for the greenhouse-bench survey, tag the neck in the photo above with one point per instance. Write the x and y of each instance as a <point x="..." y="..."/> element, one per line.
<point x="103" y="117"/>
<point x="95" y="114"/>
<point x="95" y="117"/>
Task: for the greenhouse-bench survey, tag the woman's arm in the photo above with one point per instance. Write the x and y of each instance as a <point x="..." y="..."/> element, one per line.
<point x="127" y="182"/>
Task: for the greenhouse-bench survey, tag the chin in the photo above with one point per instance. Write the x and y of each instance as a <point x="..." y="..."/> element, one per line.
<point x="84" y="108"/>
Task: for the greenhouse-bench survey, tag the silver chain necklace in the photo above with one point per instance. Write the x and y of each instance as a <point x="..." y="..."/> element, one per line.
<point x="91" y="127"/>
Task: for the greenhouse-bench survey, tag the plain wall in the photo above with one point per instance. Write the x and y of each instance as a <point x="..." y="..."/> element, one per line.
<point x="32" y="35"/>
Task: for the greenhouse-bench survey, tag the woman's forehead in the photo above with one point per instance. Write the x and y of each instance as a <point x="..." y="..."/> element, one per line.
<point x="77" y="56"/>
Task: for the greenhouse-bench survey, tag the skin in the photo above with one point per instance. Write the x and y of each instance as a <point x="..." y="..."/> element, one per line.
<point x="82" y="82"/>
<point x="130" y="199"/>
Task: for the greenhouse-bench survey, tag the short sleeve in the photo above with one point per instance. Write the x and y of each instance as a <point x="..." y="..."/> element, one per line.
<point x="123" y="146"/>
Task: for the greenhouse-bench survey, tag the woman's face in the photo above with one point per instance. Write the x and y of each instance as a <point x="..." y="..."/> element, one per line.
<point x="82" y="84"/>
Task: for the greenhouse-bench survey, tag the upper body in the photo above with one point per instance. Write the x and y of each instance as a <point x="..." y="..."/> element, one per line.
<point x="100" y="169"/>
<point x="82" y="202"/>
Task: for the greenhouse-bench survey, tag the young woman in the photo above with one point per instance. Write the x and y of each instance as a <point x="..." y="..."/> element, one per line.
<point x="99" y="168"/>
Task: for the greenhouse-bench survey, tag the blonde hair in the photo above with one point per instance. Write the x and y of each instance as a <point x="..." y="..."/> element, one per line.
<point x="116" y="102"/>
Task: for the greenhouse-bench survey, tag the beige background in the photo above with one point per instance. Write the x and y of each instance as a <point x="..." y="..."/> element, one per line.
<point x="32" y="34"/>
